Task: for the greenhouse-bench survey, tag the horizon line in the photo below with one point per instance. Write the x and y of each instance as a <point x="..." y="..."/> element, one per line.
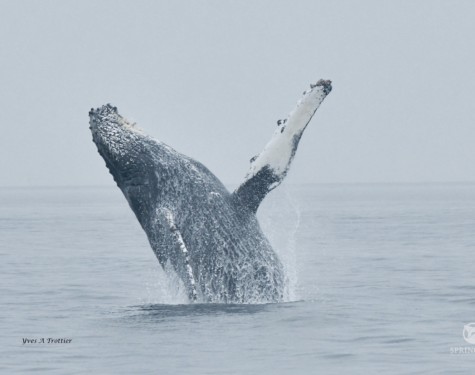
<point x="237" y="184"/>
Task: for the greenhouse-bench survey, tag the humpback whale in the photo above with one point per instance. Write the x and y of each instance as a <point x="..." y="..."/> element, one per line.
<point x="209" y="236"/>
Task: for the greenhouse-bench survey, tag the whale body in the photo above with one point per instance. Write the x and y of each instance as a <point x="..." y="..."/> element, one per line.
<point x="209" y="236"/>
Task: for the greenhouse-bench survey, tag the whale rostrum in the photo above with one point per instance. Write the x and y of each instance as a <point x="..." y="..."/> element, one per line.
<point x="210" y="237"/>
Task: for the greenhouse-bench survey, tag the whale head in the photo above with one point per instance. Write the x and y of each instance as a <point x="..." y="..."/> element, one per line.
<point x="146" y="170"/>
<point x="120" y="143"/>
<point x="130" y="155"/>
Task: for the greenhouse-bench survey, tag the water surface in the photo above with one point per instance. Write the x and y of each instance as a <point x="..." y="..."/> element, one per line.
<point x="381" y="280"/>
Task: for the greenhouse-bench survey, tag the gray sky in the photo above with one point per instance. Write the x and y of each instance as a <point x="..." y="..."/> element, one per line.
<point x="211" y="78"/>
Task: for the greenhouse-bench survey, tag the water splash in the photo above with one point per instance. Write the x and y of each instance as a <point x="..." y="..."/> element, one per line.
<point x="279" y="217"/>
<point x="163" y="286"/>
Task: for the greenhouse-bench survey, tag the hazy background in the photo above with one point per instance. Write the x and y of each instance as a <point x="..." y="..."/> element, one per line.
<point x="211" y="78"/>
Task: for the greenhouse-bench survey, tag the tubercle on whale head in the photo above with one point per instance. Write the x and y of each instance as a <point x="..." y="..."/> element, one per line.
<point x="110" y="129"/>
<point x="109" y="115"/>
<point x="104" y="110"/>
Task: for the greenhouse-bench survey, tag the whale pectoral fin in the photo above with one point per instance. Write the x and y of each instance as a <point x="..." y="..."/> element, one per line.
<point x="269" y="168"/>
<point x="186" y="272"/>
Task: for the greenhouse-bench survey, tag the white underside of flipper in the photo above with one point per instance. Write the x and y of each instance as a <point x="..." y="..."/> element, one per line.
<point x="279" y="151"/>
<point x="274" y="161"/>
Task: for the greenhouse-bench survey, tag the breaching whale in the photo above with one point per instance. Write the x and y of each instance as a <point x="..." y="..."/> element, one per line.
<point x="209" y="236"/>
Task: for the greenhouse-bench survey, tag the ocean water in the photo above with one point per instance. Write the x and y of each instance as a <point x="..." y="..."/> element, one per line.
<point x="381" y="280"/>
